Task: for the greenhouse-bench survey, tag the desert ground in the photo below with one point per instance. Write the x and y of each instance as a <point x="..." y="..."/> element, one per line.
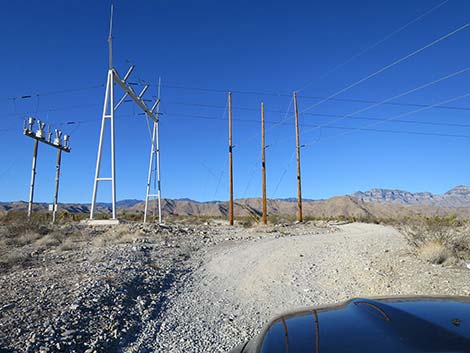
<point x="198" y="288"/>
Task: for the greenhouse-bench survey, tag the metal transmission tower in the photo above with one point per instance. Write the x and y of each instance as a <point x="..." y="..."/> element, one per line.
<point x="61" y="142"/>
<point x="108" y="114"/>
<point x="154" y="154"/>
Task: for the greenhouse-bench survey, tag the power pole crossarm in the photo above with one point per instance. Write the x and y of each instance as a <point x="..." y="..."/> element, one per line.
<point x="137" y="99"/>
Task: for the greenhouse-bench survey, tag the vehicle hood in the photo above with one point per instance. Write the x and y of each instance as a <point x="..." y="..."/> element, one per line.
<point x="418" y="324"/>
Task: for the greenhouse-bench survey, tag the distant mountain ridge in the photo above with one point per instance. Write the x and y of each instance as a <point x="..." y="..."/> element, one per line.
<point x="379" y="203"/>
<point x="456" y="197"/>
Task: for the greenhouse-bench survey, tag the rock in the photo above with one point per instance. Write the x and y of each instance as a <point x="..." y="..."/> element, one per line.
<point x="7" y="307"/>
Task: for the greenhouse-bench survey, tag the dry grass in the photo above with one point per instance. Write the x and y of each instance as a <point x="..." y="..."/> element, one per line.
<point x="434" y="252"/>
<point x="14" y="258"/>
<point x="438" y="239"/>
<point x="116" y="235"/>
<point x="21" y="241"/>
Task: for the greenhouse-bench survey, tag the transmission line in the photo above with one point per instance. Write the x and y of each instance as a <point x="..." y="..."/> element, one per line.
<point x="204" y="117"/>
<point x="367" y="127"/>
<point x="413" y="90"/>
<point x="28" y="96"/>
<point x="372" y="46"/>
<point x="386" y="67"/>
<point x="204" y="105"/>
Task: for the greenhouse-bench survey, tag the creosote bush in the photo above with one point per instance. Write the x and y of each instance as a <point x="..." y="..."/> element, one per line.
<point x="437" y="238"/>
<point x="434" y="252"/>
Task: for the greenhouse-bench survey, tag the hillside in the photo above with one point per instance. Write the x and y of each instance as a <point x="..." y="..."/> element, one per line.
<point x="347" y="206"/>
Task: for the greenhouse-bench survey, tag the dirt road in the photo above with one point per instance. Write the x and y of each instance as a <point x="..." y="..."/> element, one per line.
<point x="237" y="286"/>
<point x="204" y="288"/>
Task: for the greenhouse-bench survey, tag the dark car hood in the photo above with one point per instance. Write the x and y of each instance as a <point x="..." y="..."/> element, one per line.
<point x="421" y="324"/>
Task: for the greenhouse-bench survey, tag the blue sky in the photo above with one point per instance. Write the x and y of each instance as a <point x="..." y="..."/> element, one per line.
<point x="56" y="52"/>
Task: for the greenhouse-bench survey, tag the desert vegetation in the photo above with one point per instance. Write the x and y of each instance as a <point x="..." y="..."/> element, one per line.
<point x="436" y="239"/>
<point x="439" y="240"/>
<point x="23" y="242"/>
<point x="107" y="287"/>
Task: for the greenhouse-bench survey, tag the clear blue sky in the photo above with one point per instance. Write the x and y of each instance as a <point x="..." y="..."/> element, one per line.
<point x="267" y="47"/>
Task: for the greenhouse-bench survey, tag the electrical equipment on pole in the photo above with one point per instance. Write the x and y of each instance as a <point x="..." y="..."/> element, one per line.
<point x="60" y="141"/>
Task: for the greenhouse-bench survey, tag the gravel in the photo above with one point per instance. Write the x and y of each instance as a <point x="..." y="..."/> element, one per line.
<point x="242" y="284"/>
<point x="93" y="298"/>
<point x="202" y="288"/>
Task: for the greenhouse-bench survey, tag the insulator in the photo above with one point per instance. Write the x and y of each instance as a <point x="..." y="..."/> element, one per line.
<point x="30" y="123"/>
<point x="40" y="130"/>
<point x="66" y="140"/>
<point x="57" y="140"/>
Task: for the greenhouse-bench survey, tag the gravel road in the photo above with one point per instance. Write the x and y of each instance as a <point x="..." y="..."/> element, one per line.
<point x="203" y="288"/>
<point x="237" y="286"/>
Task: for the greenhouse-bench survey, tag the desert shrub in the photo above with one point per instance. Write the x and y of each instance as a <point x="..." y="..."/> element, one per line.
<point x="116" y="235"/>
<point x="420" y="230"/>
<point x="12" y="258"/>
<point x="280" y="218"/>
<point x="132" y="217"/>
<point x="434" y="252"/>
<point x="247" y="222"/>
<point x="47" y="241"/>
<point x="69" y="244"/>
<point x="437" y="238"/>
<point x="19" y="233"/>
<point x="350" y="218"/>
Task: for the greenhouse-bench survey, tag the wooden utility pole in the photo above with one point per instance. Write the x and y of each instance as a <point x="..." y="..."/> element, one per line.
<point x="230" y="166"/>
<point x="263" y="165"/>
<point x="297" y="147"/>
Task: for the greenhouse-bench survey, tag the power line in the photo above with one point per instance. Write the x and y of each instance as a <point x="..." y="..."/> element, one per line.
<point x="205" y="117"/>
<point x="31" y="95"/>
<point x="315" y="126"/>
<point x="360" y="110"/>
<point x="370" y="47"/>
<point x="22" y="115"/>
<point x="367" y="127"/>
<point x="396" y="120"/>
<point x="218" y="90"/>
<point x="352" y="100"/>
<point x="352" y="129"/>
<point x="413" y="90"/>
<point x="386" y="67"/>
<point x="284" y="173"/>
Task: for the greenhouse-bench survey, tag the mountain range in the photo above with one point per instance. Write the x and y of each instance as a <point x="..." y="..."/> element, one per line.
<point x="379" y="203"/>
<point x="456" y="197"/>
